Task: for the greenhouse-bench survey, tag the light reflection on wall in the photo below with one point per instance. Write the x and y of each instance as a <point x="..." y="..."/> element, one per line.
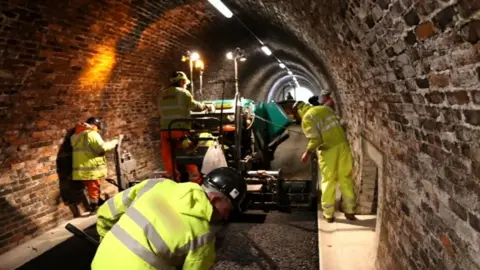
<point x="99" y="67"/>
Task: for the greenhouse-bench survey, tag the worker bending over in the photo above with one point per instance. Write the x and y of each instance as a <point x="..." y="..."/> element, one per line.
<point x="178" y="103"/>
<point x="89" y="163"/>
<point x="326" y="136"/>
<point x="161" y="224"/>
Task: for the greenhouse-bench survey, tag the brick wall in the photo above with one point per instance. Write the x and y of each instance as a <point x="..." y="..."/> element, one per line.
<point x="63" y="62"/>
<point x="407" y="76"/>
<point x="417" y="73"/>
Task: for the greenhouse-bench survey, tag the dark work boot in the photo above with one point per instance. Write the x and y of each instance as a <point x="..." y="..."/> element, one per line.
<point x="329" y="220"/>
<point x="93" y="207"/>
<point x="350" y="216"/>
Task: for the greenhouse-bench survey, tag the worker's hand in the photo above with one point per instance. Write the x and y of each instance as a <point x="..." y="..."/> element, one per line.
<point x="305" y="157"/>
<point x="209" y="108"/>
<point x="115" y="141"/>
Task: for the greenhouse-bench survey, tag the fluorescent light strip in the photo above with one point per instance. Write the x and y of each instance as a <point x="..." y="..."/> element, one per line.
<point x="222" y="8"/>
<point x="266" y="50"/>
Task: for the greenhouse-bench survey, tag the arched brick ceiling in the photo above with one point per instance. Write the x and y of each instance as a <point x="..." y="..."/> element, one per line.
<point x="405" y="74"/>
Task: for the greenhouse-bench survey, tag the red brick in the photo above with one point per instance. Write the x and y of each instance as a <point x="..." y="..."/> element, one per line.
<point x="42" y="124"/>
<point x="458" y="98"/>
<point x="51" y="178"/>
<point x="439" y="80"/>
<point x="447" y="245"/>
<point x="425" y="30"/>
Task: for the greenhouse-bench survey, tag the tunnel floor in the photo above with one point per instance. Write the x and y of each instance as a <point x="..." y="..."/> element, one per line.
<point x="259" y="241"/>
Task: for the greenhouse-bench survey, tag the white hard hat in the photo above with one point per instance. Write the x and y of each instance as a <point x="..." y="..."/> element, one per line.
<point x="325" y="92"/>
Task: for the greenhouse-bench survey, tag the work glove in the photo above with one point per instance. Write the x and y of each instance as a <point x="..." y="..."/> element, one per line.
<point x="209" y="108"/>
<point x="117" y="140"/>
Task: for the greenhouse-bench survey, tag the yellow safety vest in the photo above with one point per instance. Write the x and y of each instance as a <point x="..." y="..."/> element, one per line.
<point x="89" y="161"/>
<point x="157" y="224"/>
<point x="177" y="103"/>
<point x="321" y="127"/>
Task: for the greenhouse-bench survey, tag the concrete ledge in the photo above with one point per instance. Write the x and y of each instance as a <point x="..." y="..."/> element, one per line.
<point x="346" y="245"/>
<point x="37" y="246"/>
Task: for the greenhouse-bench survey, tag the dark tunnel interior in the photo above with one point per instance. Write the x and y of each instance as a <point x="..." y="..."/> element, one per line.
<point x="404" y="73"/>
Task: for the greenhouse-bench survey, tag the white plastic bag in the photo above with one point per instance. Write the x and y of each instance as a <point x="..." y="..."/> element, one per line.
<point x="214" y="158"/>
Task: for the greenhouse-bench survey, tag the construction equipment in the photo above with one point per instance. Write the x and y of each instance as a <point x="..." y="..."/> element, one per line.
<point x="250" y="133"/>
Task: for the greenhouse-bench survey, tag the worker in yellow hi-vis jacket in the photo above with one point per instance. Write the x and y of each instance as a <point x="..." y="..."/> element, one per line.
<point x="162" y="224"/>
<point x="89" y="163"/>
<point x="325" y="134"/>
<point x="176" y="104"/>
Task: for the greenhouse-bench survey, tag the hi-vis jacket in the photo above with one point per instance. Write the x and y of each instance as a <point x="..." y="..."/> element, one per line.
<point x="177" y="103"/>
<point x="89" y="149"/>
<point x="321" y="126"/>
<point x="157" y="224"/>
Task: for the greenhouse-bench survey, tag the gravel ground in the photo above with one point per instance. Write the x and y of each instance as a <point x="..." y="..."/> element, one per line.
<point x="260" y="241"/>
<point x="272" y="241"/>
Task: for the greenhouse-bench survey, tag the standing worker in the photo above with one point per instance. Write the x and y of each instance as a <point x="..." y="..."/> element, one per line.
<point x="169" y="224"/>
<point x="326" y="135"/>
<point x="327" y="100"/>
<point x="89" y="162"/>
<point x="177" y="103"/>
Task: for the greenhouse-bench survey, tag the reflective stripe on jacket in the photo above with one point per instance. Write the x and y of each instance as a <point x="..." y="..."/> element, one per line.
<point x="89" y="149"/>
<point x="322" y="127"/>
<point x="157" y="224"/>
<point x="177" y="103"/>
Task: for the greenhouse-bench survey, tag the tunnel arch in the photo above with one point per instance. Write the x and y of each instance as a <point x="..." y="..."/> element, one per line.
<point x="405" y="74"/>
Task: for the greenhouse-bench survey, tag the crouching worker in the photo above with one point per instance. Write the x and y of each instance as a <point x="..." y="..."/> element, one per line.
<point x="89" y="162"/>
<point x="162" y="224"/>
<point x="326" y="136"/>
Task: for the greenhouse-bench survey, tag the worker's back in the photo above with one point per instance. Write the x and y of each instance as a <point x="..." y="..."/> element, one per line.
<point x="175" y="103"/>
<point x="164" y="228"/>
<point x="327" y="124"/>
<point x="89" y="161"/>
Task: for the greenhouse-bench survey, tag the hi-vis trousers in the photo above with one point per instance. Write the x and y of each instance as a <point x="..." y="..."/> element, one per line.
<point x="193" y="173"/>
<point x="336" y="165"/>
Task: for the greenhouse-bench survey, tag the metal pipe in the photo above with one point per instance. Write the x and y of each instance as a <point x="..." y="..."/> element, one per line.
<point x="271" y="173"/>
<point x="238" y="133"/>
<point x="191" y="76"/>
<point x="201" y="83"/>
<point x="236" y="74"/>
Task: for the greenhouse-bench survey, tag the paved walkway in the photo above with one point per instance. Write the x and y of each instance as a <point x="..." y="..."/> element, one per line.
<point x="42" y="244"/>
<point x="345" y="244"/>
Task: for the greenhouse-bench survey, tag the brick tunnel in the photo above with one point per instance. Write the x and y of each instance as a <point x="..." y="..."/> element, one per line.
<point x="404" y="73"/>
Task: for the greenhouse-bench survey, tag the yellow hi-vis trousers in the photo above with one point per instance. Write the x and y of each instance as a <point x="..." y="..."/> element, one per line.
<point x="336" y="165"/>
